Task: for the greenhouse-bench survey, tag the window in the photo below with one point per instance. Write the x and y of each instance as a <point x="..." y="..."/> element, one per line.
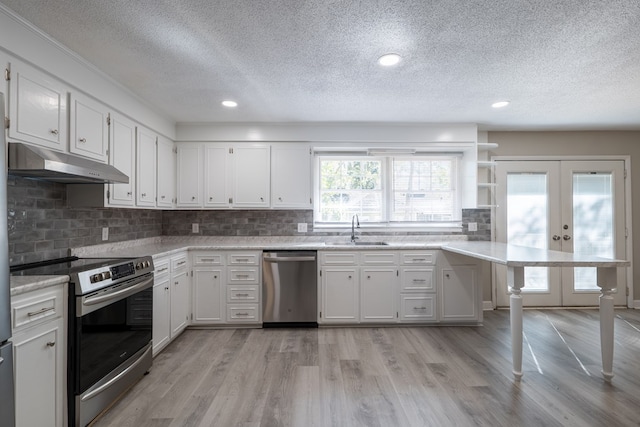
<point x="387" y="190"/>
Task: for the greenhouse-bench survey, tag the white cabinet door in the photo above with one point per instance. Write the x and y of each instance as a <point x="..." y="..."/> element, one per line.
<point x="216" y="176"/>
<point x="291" y="176"/>
<point x="189" y="173"/>
<point x="179" y="301"/>
<point x="378" y="293"/>
<point x="250" y="176"/>
<point x="340" y="295"/>
<point x="209" y="303"/>
<point x="122" y="155"/>
<point x="88" y="128"/>
<point x="161" y="313"/>
<point x="37" y="107"/>
<point x="166" y="173"/>
<point x="146" y="168"/>
<point x="39" y="367"/>
<point x="459" y="298"/>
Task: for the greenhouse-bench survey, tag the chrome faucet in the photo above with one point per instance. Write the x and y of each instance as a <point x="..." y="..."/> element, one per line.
<point x="355" y="223"/>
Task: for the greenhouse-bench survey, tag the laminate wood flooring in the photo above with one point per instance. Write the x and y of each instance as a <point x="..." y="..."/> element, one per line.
<point x="396" y="376"/>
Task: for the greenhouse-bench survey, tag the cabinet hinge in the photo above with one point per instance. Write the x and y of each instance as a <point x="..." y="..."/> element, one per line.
<point x="625" y="174"/>
<point x="108" y="194"/>
<point x="191" y="316"/>
<point x="175" y="150"/>
<point x="7" y="74"/>
<point x="627" y="291"/>
<point x="108" y="119"/>
<point x="310" y="201"/>
<point x="397" y="315"/>
<point x="397" y="273"/>
<point x="310" y="151"/>
<point x="107" y="153"/>
<point x="320" y="273"/>
<point x="230" y="200"/>
<point x="230" y="150"/>
<point x="7" y="122"/>
<point x="321" y="315"/>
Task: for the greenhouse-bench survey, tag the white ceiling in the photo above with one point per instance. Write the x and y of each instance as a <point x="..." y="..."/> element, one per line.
<point x="562" y="64"/>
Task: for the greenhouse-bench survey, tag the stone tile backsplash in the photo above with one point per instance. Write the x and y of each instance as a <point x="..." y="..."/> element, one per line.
<point x="41" y="226"/>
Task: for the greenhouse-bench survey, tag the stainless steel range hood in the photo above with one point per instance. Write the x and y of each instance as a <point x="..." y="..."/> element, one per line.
<point x="39" y="163"/>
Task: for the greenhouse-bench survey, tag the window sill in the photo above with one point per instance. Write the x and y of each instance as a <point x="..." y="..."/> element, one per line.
<point x="423" y="228"/>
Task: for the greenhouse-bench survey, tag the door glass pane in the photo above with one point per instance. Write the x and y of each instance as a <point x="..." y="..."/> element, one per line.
<point x="527" y="222"/>
<point x="592" y="223"/>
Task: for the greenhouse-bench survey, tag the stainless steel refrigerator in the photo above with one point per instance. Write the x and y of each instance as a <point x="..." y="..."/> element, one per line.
<point x="7" y="409"/>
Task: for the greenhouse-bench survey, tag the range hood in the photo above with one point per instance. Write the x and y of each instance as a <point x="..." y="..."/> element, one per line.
<point x="39" y="163"/>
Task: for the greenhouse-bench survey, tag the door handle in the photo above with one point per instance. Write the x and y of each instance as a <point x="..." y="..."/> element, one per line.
<point x="556" y="237"/>
<point x="566" y="237"/>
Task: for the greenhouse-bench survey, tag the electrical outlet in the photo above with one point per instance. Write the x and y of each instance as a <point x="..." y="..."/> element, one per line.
<point x="195" y="227"/>
<point x="302" y="227"/>
<point x="105" y="233"/>
<point x="473" y="226"/>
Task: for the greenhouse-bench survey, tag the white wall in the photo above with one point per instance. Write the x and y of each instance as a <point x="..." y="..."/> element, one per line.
<point x="20" y="39"/>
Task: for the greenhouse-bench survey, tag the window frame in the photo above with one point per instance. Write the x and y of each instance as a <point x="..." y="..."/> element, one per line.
<point x="387" y="181"/>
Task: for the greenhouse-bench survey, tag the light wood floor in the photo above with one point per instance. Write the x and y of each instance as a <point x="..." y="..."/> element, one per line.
<point x="426" y="376"/>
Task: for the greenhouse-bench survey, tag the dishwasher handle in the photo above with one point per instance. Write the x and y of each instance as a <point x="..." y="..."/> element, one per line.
<point x="289" y="258"/>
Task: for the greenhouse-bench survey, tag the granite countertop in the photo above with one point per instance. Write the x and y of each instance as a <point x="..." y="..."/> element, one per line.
<point x="23" y="284"/>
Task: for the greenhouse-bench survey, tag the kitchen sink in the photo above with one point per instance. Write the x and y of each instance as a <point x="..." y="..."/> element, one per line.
<point x="356" y="243"/>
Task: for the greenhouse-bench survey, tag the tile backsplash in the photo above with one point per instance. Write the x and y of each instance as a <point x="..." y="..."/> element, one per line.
<point x="41" y="226"/>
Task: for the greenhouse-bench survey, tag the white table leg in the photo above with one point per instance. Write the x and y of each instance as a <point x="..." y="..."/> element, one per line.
<point x="515" y="280"/>
<point x="607" y="281"/>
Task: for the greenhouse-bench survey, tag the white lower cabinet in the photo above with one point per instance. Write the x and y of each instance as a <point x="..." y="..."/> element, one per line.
<point x="171" y="299"/>
<point x="39" y="346"/>
<point x="340" y="295"/>
<point x="208" y="287"/>
<point x="242" y="288"/>
<point x="418" y="291"/>
<point x="460" y="300"/>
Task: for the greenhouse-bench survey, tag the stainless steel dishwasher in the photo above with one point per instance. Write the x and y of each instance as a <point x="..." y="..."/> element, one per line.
<point x="289" y="289"/>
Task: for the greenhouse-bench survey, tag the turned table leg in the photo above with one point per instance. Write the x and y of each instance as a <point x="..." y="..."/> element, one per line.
<point x="515" y="280"/>
<point x="607" y="281"/>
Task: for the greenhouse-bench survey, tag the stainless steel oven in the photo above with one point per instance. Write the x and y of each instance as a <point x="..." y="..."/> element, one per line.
<point x="110" y="323"/>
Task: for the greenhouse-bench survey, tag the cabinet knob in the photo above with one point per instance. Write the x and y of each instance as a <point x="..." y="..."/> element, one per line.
<point x="128" y="193"/>
<point x="349" y="277"/>
<point x="144" y="194"/>
<point x="166" y="289"/>
<point x="447" y="275"/>
<point x="566" y="237"/>
<point x="556" y="237"/>
<point x="193" y="197"/>
<point x="368" y="277"/>
<point x="53" y="131"/>
<point x="280" y="198"/>
<point x="162" y="197"/>
<point x="262" y="199"/>
<point x="211" y="199"/>
<point x="51" y="343"/>
<point x="83" y="140"/>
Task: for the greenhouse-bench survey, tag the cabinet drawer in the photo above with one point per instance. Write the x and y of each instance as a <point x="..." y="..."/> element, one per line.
<point x="417" y="279"/>
<point x="243" y="294"/>
<point x="418" y="257"/>
<point x="242" y="275"/>
<point x="417" y="307"/>
<point x="208" y="259"/>
<point x="29" y="309"/>
<point x="239" y="313"/>
<point x="160" y="268"/>
<point x="339" y="258"/>
<point x="379" y="258"/>
<point x="179" y="263"/>
<point x="250" y="258"/>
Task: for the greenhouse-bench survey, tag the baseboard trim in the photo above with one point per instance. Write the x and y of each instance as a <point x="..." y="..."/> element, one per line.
<point x="488" y="305"/>
<point x="636" y="304"/>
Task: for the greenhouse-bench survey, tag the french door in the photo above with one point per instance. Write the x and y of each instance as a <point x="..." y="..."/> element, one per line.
<point x="569" y="206"/>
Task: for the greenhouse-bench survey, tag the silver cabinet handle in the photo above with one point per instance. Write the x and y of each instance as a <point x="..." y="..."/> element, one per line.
<point x="54" y="131"/>
<point x="144" y="194"/>
<point x="419" y="280"/>
<point x="83" y="140"/>
<point x="242" y="314"/>
<point x="181" y="263"/>
<point x="242" y="275"/>
<point x="51" y="343"/>
<point x="1" y="360"/>
<point x="41" y="311"/>
<point x="162" y="269"/>
<point x="420" y="308"/>
<point x="242" y="295"/>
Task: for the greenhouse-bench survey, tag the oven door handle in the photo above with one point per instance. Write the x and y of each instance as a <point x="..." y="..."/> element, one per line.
<point x="117" y="294"/>
<point x="113" y="380"/>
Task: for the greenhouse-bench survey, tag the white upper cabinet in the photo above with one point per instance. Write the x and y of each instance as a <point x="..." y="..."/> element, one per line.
<point x="88" y="128"/>
<point x="122" y="155"/>
<point x="189" y="173"/>
<point x="146" y="168"/>
<point x="250" y="176"/>
<point x="37" y="107"/>
<point x="166" y="173"/>
<point x="291" y="176"/>
<point x="216" y="176"/>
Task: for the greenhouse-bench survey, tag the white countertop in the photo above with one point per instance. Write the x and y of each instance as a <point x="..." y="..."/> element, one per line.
<point x="22" y="284"/>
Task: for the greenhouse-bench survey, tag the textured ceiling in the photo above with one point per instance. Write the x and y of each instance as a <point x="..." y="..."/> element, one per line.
<point x="562" y="64"/>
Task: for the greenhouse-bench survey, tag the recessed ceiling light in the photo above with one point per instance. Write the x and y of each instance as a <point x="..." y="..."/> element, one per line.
<point x="389" y="59"/>
<point x="500" y="104"/>
<point x="230" y="104"/>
